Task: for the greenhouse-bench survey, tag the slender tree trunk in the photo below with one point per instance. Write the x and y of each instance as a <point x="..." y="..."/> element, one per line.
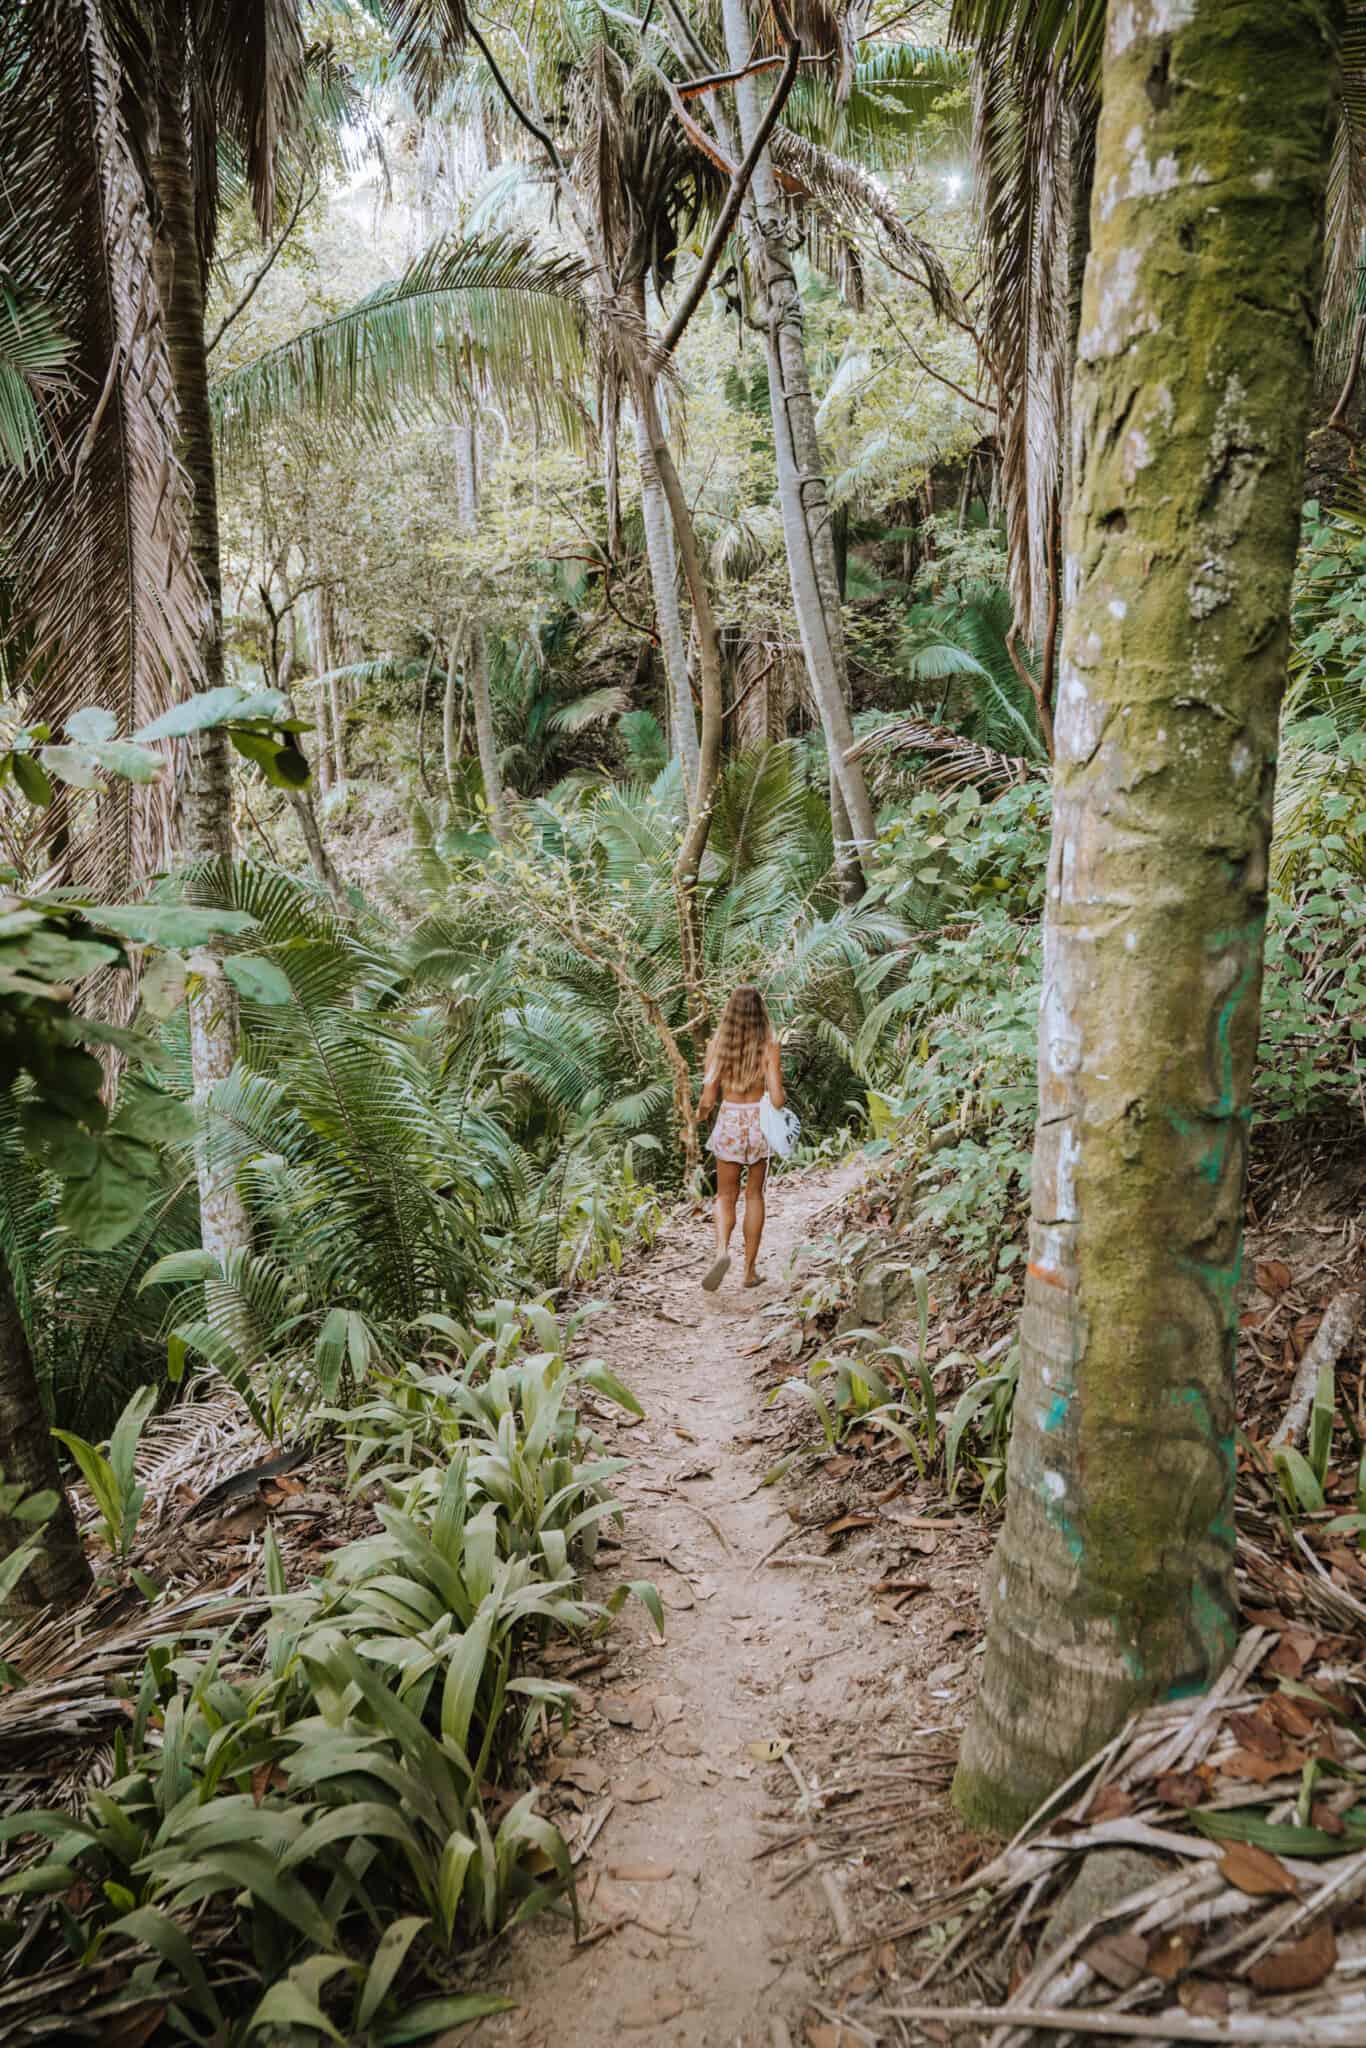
<point x="423" y="694"/>
<point x="452" y="743"/>
<point x="1113" y="1582"/>
<point x="59" y="1575"/>
<point x="317" y="634"/>
<point x="807" y="521"/>
<point x="688" y="864"/>
<point x="476" y="651"/>
<point x="611" y="461"/>
<point x="208" y="811"/>
<point x="659" y="551"/>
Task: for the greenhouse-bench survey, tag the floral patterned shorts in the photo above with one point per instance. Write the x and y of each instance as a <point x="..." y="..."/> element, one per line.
<point x="736" y="1135"/>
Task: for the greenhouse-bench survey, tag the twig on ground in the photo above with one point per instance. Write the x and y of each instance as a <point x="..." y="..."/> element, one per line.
<point x="1243" y="2028"/>
<point x="1330" y="1340"/>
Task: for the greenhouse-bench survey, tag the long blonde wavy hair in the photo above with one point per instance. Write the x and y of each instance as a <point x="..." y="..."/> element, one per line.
<point x="742" y="1040"/>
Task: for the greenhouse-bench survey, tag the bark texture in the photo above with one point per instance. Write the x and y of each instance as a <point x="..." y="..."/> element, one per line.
<point x="808" y="527"/>
<point x="1113" y="1582"/>
<point x="59" y="1575"/>
<point x="208" y="807"/>
<point x="476" y="653"/>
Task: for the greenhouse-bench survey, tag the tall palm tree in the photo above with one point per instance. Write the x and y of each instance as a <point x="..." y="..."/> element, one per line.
<point x="1113" y="1582"/>
<point x="100" y="602"/>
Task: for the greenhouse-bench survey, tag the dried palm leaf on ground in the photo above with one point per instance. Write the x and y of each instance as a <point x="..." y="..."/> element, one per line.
<point x="961" y="761"/>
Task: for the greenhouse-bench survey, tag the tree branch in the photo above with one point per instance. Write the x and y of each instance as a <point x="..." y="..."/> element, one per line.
<point x="725" y="220"/>
<point x="250" y="292"/>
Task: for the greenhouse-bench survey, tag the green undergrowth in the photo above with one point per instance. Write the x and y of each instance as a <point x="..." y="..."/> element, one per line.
<point x="316" y="1811"/>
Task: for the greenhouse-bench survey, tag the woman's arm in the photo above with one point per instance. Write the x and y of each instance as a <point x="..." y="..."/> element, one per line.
<point x="773" y="1074"/>
<point x="710" y="1078"/>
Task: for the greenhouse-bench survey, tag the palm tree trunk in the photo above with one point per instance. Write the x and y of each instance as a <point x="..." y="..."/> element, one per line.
<point x="813" y="567"/>
<point x="476" y="651"/>
<point x="59" y="1575"/>
<point x="1113" y="1583"/>
<point x="659" y="551"/>
<point x="208" y="811"/>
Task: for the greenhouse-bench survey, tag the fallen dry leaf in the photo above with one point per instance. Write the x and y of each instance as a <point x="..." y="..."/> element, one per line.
<point x="677" y="1741"/>
<point x="843" y="1522"/>
<point x="644" y="1871"/>
<point x="1171" y="1953"/>
<point x="1121" y="1959"/>
<point x="1273" y="1276"/>
<point x="639" y="1791"/>
<point x="1291" y="1654"/>
<point x="1259" y="1770"/>
<point x="1112" y="1802"/>
<point x="1301" y="1966"/>
<point x="1322" y="1816"/>
<point x="618" y="1711"/>
<point x="1181" y="1788"/>
<point x="581" y="1772"/>
<point x="1255" y="1731"/>
<point x="668" y="1709"/>
<point x="830" y="2037"/>
<point x="1203" y="1998"/>
<point x="1257" y="1872"/>
<point x="770" y="1751"/>
<point x="1288" y="1715"/>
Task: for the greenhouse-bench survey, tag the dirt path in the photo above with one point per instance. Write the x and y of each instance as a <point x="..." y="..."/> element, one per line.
<point x="692" y="1946"/>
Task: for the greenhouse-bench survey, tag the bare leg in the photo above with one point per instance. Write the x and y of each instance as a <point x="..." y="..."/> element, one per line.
<point x="727" y="1195"/>
<point x="755" y="1213"/>
<point x="723" y="1221"/>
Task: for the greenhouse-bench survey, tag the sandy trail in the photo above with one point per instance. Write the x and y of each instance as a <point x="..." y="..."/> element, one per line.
<point x="700" y="1951"/>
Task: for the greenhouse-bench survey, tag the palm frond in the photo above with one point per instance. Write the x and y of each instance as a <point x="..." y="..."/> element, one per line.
<point x="958" y="762"/>
<point x="594" y="708"/>
<point x="33" y="357"/>
<point x="471" y="315"/>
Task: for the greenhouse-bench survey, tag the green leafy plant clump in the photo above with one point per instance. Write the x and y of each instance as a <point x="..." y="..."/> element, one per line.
<point x="315" y="1787"/>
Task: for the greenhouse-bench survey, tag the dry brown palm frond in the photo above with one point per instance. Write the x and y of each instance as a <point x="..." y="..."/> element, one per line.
<point x="105" y="605"/>
<point x="957" y="761"/>
<point x="854" y="199"/>
<point x="1345" y="224"/>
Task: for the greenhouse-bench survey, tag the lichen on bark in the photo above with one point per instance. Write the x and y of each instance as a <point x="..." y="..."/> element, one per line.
<point x="1113" y="1582"/>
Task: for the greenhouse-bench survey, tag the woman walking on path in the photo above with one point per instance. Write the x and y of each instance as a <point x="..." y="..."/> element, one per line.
<point x="743" y="1064"/>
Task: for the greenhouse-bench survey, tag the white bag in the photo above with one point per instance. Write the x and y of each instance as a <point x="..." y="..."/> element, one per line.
<point x="781" y="1127"/>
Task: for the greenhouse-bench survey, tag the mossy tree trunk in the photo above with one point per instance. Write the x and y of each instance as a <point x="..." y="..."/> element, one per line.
<point x="1113" y="1582"/>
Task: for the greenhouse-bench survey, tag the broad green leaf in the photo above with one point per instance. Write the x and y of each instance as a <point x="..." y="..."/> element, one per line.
<point x="31" y="779"/>
<point x="162" y="986"/>
<point x="647" y="1594"/>
<point x="436" y="2015"/>
<point x="180" y="1269"/>
<point x="169" y="924"/>
<point x="258" y="979"/>
<point x="289" y="2005"/>
<point x="94" y="723"/>
<point x="153" y="1929"/>
<point x="387" y="1961"/>
<point x="208" y="708"/>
